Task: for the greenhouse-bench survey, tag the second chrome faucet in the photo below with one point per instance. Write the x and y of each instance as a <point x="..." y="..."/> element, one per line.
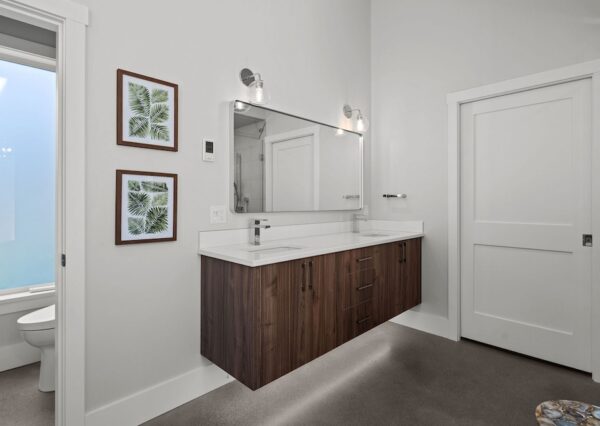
<point x="257" y="225"/>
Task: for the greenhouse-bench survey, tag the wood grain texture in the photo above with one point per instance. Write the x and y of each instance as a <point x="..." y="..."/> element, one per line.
<point x="260" y="323"/>
<point x="300" y="312"/>
<point x="241" y="319"/>
<point x="275" y="325"/>
<point x="211" y="309"/>
<point x="355" y="321"/>
<point x="323" y="300"/>
<point x="412" y="274"/>
<point x="395" y="278"/>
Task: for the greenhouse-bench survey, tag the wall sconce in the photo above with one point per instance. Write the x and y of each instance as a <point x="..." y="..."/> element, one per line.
<point x="256" y="90"/>
<point x="362" y="122"/>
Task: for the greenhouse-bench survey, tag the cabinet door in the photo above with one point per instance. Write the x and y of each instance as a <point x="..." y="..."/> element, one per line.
<point x="395" y="278"/>
<point x="276" y="286"/>
<point x="313" y="309"/>
<point x="301" y="312"/>
<point x="321" y="275"/>
<point x="412" y="274"/>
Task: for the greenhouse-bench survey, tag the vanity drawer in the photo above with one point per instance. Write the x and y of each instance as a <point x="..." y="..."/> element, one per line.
<point x="358" y="260"/>
<point x="358" y="287"/>
<point x="355" y="321"/>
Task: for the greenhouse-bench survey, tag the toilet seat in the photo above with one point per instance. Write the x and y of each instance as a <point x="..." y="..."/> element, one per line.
<point x="42" y="319"/>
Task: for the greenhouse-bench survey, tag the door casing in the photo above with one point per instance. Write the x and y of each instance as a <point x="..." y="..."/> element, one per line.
<point x="69" y="20"/>
<point x="454" y="100"/>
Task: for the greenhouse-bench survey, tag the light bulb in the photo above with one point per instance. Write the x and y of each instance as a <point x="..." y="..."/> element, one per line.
<point x="339" y="132"/>
<point x="362" y="124"/>
<point x="259" y="95"/>
<point x="239" y="106"/>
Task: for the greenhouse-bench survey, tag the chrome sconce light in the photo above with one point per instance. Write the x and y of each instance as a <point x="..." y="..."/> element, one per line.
<point x="256" y="90"/>
<point x="362" y="122"/>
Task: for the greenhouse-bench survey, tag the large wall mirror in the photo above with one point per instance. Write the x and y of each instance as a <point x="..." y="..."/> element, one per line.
<point x="284" y="163"/>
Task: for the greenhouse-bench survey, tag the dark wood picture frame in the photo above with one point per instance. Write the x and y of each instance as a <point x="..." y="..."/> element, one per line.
<point x="120" y="141"/>
<point x="119" y="206"/>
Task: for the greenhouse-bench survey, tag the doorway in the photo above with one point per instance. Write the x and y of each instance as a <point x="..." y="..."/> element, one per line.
<point x="68" y="21"/>
<point x="523" y="271"/>
<point x="525" y="205"/>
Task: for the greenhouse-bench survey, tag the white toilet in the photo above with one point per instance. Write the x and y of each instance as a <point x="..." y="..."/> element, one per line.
<point x="37" y="328"/>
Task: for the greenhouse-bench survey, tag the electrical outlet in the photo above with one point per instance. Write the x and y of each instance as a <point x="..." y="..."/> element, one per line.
<point x="218" y="214"/>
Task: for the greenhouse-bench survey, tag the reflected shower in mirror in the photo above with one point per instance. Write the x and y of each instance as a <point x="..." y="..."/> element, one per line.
<point x="283" y="163"/>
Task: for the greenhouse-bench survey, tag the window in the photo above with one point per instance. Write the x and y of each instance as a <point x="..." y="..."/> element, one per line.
<point x="27" y="176"/>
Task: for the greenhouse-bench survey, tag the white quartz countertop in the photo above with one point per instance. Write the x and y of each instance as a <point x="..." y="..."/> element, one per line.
<point x="275" y="251"/>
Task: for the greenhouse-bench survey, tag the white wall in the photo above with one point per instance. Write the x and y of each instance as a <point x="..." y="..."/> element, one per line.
<point x="424" y="49"/>
<point x="143" y="301"/>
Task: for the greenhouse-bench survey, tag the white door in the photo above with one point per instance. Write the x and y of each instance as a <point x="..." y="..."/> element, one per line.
<point x="525" y="204"/>
<point x="292" y="171"/>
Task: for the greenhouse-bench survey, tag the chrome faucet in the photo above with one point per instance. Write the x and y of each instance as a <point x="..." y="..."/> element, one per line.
<point x="257" y="225"/>
<point x="355" y="224"/>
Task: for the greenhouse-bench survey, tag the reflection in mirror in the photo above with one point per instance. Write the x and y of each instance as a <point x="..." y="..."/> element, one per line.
<point x="283" y="163"/>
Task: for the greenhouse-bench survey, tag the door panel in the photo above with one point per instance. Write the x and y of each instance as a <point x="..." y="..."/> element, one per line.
<point x="525" y="203"/>
<point x="294" y="173"/>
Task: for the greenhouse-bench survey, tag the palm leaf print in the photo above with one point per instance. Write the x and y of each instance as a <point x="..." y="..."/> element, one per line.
<point x="157" y="220"/>
<point x="136" y="225"/>
<point x="138" y="126"/>
<point x="160" y="199"/>
<point x="159" y="95"/>
<point x="138" y="203"/>
<point x="150" y="112"/>
<point x="139" y="99"/>
<point x="133" y="185"/>
<point x="159" y="132"/>
<point x="155" y="186"/>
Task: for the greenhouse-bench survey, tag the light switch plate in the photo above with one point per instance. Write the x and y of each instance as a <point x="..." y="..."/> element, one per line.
<point x="218" y="214"/>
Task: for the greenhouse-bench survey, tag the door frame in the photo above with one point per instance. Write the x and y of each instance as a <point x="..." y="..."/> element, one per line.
<point x="313" y="131"/>
<point x="69" y="20"/>
<point x="455" y="100"/>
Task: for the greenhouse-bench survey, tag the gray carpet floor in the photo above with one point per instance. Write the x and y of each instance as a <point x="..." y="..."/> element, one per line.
<point x="21" y="403"/>
<point x="394" y="375"/>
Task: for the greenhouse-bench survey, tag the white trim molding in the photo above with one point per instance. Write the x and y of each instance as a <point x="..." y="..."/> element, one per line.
<point x="68" y="20"/>
<point x="158" y="399"/>
<point x="571" y="73"/>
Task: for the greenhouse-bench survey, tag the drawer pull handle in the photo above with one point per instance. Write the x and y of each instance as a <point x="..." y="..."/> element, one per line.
<point x="365" y="319"/>
<point x="364" y="259"/>
<point x="363" y="287"/>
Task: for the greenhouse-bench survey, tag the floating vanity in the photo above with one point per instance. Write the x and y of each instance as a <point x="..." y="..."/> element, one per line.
<point x="269" y="309"/>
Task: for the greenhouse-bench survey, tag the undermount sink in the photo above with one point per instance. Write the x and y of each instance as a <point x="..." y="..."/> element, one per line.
<point x="272" y="249"/>
<point x="375" y="234"/>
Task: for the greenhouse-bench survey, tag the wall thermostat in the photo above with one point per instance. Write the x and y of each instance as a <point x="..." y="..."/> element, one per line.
<point x="208" y="152"/>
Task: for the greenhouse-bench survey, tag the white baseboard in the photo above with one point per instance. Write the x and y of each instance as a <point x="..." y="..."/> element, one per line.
<point x="429" y="323"/>
<point x="158" y="399"/>
<point x="18" y="355"/>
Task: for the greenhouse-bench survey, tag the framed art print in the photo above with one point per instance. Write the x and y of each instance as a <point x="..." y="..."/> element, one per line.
<point x="146" y="207"/>
<point x="146" y="112"/>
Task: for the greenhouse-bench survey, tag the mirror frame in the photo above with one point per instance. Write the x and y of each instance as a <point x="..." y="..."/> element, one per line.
<point x="231" y="159"/>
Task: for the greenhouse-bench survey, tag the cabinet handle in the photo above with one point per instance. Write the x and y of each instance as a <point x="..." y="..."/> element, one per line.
<point x="310" y="276"/>
<point x="365" y="319"/>
<point x="303" y="280"/>
<point x="363" y="259"/>
<point x="365" y="286"/>
<point x="403" y="253"/>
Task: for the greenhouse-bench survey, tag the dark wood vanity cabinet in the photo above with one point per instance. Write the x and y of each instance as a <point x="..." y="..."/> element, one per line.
<point x="404" y="276"/>
<point x="263" y="322"/>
